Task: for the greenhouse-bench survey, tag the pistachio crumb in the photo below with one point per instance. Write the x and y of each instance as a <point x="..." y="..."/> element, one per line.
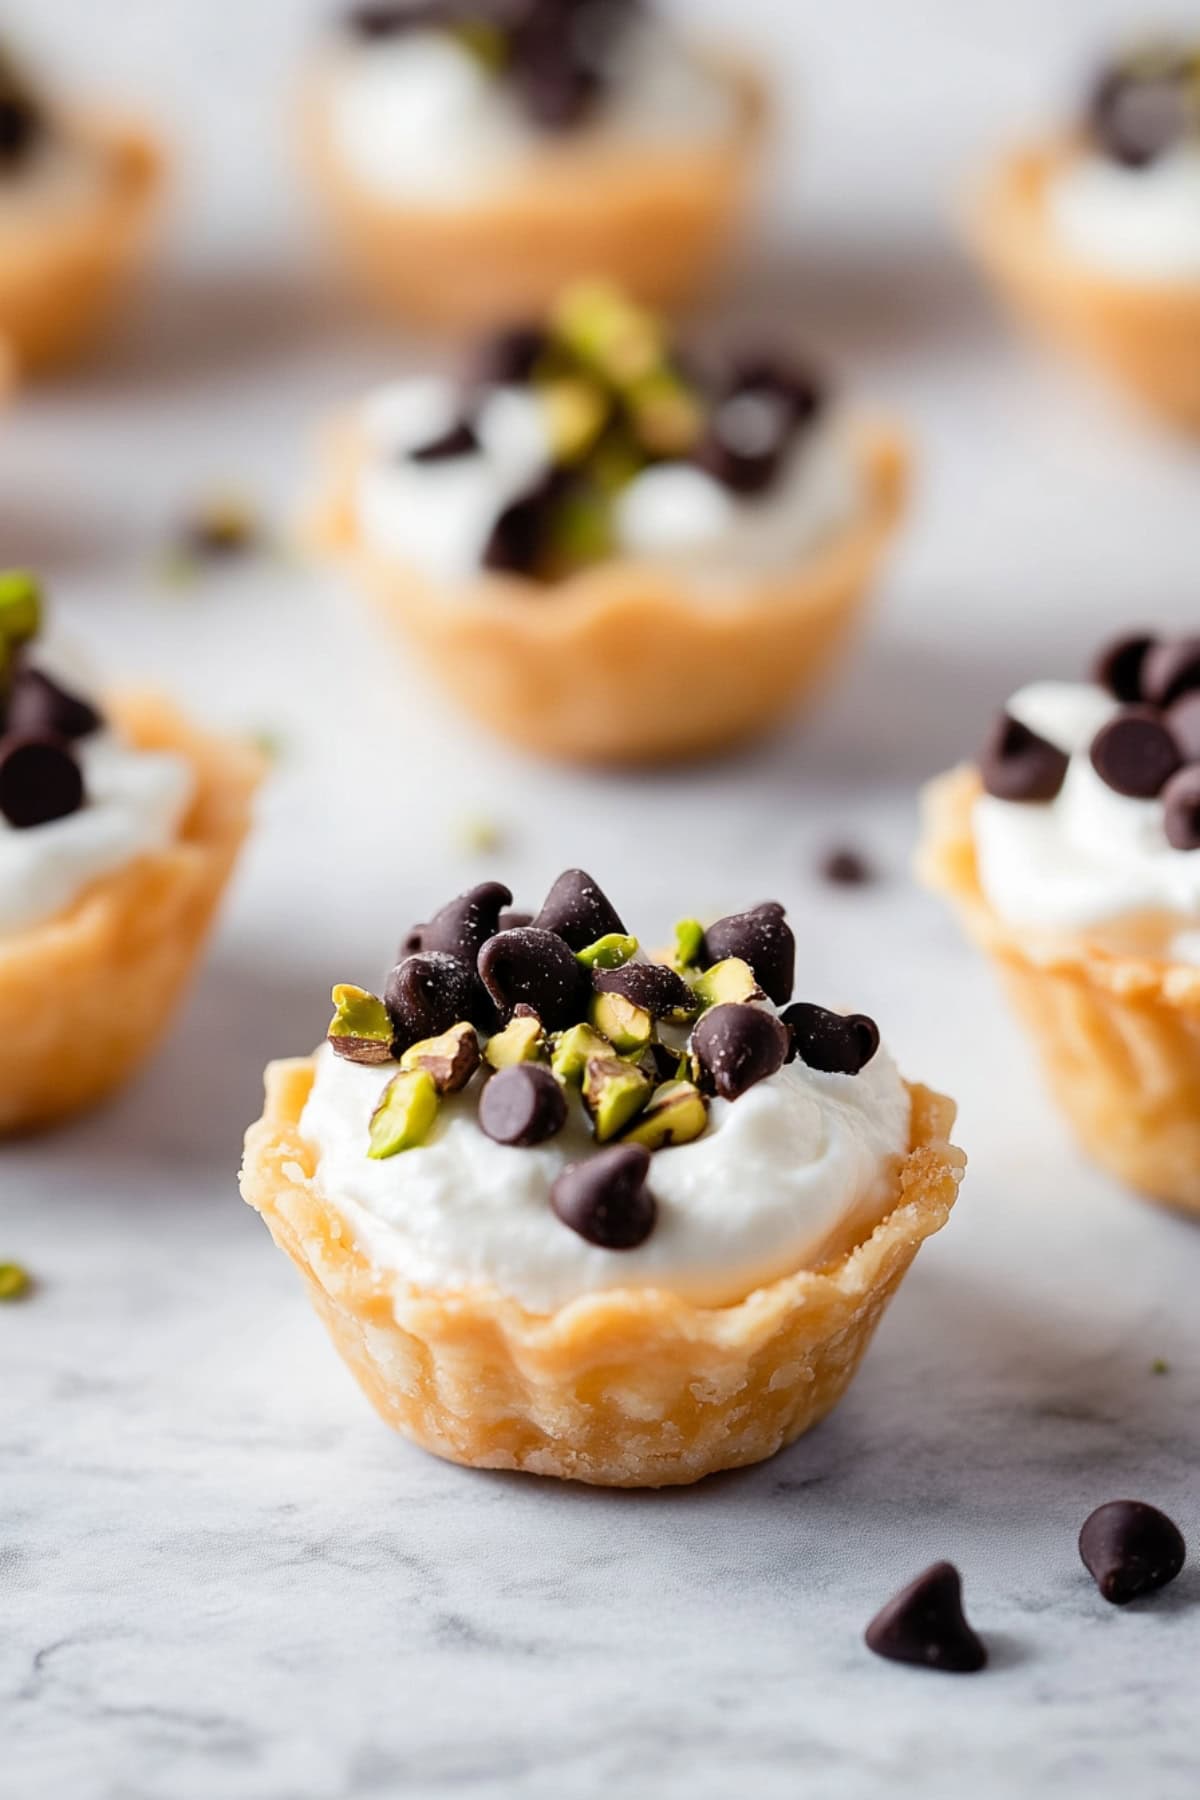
<point x="479" y="836"/>
<point x="1160" y="1366"/>
<point x="15" y="1282"/>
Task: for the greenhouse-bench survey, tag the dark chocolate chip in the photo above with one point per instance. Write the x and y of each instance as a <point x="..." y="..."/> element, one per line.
<point x="652" y="986"/>
<point x="460" y="440"/>
<point x="925" y="1625"/>
<point x="376" y="19"/>
<point x="1183" y="722"/>
<point x="835" y="1043"/>
<point x="606" y="1199"/>
<point x="763" y="938"/>
<point x="510" y="358"/>
<point x="510" y="921"/>
<point x="846" y="867"/>
<point x="522" y="1105"/>
<point x="738" y="1046"/>
<point x="1017" y="764"/>
<point x="39" y="707"/>
<point x="426" y="994"/>
<point x="801" y="389"/>
<point x="1130" y="1549"/>
<point x="577" y="910"/>
<point x="22" y="124"/>
<point x="538" y="968"/>
<point x="521" y="535"/>
<point x="1181" y="809"/>
<point x="744" y="443"/>
<point x="1136" y="119"/>
<point x="557" y="93"/>
<point x="39" y="781"/>
<point x="462" y="927"/>
<point x="1135" y="754"/>
<point x="1118" y="667"/>
<point x="661" y="1062"/>
<point x="1171" y="669"/>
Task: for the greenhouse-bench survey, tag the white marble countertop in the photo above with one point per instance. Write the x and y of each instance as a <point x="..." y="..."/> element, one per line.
<point x="219" y="1575"/>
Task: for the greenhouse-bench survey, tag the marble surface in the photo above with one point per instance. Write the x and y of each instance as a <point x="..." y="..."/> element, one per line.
<point x="219" y="1575"/>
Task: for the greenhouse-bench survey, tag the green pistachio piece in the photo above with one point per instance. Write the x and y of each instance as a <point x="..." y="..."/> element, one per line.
<point x="451" y="1059"/>
<point x="575" y="411"/>
<point x="20" y="607"/>
<point x="727" y="983"/>
<point x="613" y="1093"/>
<point x="610" y="952"/>
<point x="666" y="418"/>
<point x="360" y="1030"/>
<point x="607" y="333"/>
<point x="522" y="1040"/>
<point x="572" y="1050"/>
<point x="14" y="1281"/>
<point x="676" y="1113"/>
<point x="483" y="41"/>
<point x="404" y="1117"/>
<point x="689" y="943"/>
<point x="626" y="1026"/>
<point x="580" y="529"/>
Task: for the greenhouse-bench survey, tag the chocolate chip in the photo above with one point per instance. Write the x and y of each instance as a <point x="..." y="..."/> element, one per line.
<point x="522" y="1105"/>
<point x="460" y="440"/>
<point x="1135" y="754"/>
<point x="1171" y="669"/>
<point x="1136" y="119"/>
<point x="462" y="927"/>
<point x="652" y="986"/>
<point x="577" y="910"/>
<point x="606" y="1200"/>
<point x="39" y="781"/>
<point x="510" y="358"/>
<point x="511" y="921"/>
<point x="738" y="1046"/>
<point x="519" y="538"/>
<point x="538" y="968"/>
<point x="1118" y="667"/>
<point x="925" y="1625"/>
<point x="426" y="994"/>
<point x="1017" y="764"/>
<point x="378" y="19"/>
<point x="1181" y="809"/>
<point x="763" y="938"/>
<point x="834" y="1043"/>
<point x="39" y="707"/>
<point x="1130" y="1549"/>
<point x="846" y="867"/>
<point x="744" y="443"/>
<point x="1183" y="722"/>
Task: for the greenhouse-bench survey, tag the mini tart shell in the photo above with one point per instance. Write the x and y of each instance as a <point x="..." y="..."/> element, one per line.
<point x="1144" y="335"/>
<point x="1118" y="1035"/>
<point x="654" y="218"/>
<point x="630" y="1388"/>
<point x="85" y="996"/>
<point x="59" y="277"/>
<point x="626" y="662"/>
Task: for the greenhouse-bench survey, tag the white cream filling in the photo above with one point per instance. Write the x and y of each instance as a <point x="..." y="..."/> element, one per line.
<point x="418" y="120"/>
<point x="1091" y="856"/>
<point x="135" y="803"/>
<point x="1139" y="224"/>
<point x="800" y="1160"/>
<point x="437" y="517"/>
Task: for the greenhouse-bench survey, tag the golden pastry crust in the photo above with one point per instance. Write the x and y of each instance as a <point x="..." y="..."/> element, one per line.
<point x="624" y="662"/>
<point x="1119" y="1035"/>
<point x="654" y="219"/>
<point x="631" y="1388"/>
<point x="58" y="278"/>
<point x="1145" y="335"/>
<point x="85" y="996"/>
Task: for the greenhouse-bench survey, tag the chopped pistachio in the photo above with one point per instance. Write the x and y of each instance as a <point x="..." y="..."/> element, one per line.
<point x="730" y="982"/>
<point x="15" y="1282"/>
<point x="622" y="342"/>
<point x="451" y="1059"/>
<point x="689" y="943"/>
<point x="676" y="1113"/>
<point x="522" y="1040"/>
<point x="575" y="410"/>
<point x="613" y="1093"/>
<point x="479" y="836"/>
<point x="405" y="1115"/>
<point x="20" y="607"/>
<point x="1160" y="1366"/>
<point x="626" y="1026"/>
<point x="612" y="951"/>
<point x="269" y="744"/>
<point x="482" y="40"/>
<point x="573" y="1048"/>
<point x="579" y="528"/>
<point x="667" y="420"/>
<point x="360" y="1030"/>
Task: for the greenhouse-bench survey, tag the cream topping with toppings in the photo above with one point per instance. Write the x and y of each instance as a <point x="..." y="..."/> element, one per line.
<point x="1139" y="224"/>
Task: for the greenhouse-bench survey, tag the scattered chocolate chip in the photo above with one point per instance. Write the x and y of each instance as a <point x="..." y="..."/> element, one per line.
<point x="39" y="781"/>
<point x="22" y="123"/>
<point x="1017" y="764"/>
<point x="377" y="19"/>
<point x="536" y="967"/>
<point x="1135" y="754"/>
<point x="426" y="994"/>
<point x="761" y="937"/>
<point x="39" y="707"/>
<point x="1181" y="809"/>
<point x="510" y="358"/>
<point x="522" y="1105"/>
<point x="744" y="443"/>
<point x="1171" y="669"/>
<point x="835" y="1043"/>
<point x="557" y="94"/>
<point x="464" y="924"/>
<point x="577" y="910"/>
<point x="460" y="440"/>
<point x="738" y="1046"/>
<point x="606" y="1200"/>
<point x="657" y="989"/>
<point x="925" y="1625"/>
<point x="1118" y="667"/>
<point x="1183" y="722"/>
<point x="520" y="537"/>
<point x="1130" y="1549"/>
<point x="1137" y="118"/>
<point x="846" y="867"/>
